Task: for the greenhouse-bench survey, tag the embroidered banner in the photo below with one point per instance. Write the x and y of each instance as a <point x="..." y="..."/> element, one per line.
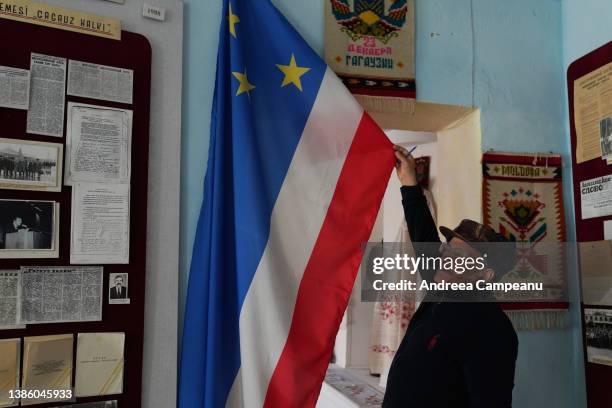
<point x="523" y="200"/>
<point x="370" y="45"/>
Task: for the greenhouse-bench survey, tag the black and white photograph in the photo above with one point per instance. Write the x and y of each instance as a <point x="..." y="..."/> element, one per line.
<point x="598" y="327"/>
<point x="27" y="165"/>
<point x="118" y="293"/>
<point x="28" y="229"/>
<point x="605" y="137"/>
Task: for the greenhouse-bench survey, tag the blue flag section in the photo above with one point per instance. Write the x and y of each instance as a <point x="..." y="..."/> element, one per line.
<point x="266" y="84"/>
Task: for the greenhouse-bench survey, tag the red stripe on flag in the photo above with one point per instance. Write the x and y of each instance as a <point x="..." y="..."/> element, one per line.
<point x="331" y="270"/>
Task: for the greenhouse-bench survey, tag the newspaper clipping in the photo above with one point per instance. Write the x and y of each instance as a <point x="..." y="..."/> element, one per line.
<point x="591" y="105"/>
<point x="10" y="299"/>
<point x="61" y="294"/>
<point x="46" y="112"/>
<point x="596" y="197"/>
<point x="100" y="81"/>
<point x="98" y="141"/>
<point x="14" y="88"/>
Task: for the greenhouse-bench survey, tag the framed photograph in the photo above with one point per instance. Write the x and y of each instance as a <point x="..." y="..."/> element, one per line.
<point x="27" y="165"/>
<point x="118" y="291"/>
<point x="598" y="327"/>
<point x="29" y="229"/>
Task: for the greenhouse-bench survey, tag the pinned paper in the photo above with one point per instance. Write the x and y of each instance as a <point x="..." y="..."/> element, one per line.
<point x="596" y="272"/>
<point x="608" y="230"/>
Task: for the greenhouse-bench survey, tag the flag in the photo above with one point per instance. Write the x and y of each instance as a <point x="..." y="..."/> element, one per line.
<point x="296" y="173"/>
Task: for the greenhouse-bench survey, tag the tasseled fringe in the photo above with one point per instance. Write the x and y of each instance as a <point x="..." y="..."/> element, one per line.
<point x="538" y="319"/>
<point x="385" y="104"/>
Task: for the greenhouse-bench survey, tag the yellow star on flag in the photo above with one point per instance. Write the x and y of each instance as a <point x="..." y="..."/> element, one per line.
<point x="233" y="20"/>
<point x="292" y="73"/>
<point x="245" y="85"/>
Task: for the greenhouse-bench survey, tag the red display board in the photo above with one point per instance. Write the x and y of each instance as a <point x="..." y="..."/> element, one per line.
<point x="19" y="40"/>
<point x="598" y="377"/>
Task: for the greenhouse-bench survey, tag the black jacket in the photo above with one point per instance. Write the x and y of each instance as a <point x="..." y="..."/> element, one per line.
<point x="114" y="293"/>
<point x="454" y="355"/>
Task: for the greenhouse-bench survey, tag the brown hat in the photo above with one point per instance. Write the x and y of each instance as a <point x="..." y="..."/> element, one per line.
<point x="502" y="258"/>
<point x="472" y="231"/>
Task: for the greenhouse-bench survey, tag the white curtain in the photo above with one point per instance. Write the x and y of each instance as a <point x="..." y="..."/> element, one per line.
<point x="392" y="315"/>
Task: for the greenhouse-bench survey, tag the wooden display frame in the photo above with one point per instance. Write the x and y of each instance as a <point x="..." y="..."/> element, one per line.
<point x="132" y="52"/>
<point x="598" y="377"/>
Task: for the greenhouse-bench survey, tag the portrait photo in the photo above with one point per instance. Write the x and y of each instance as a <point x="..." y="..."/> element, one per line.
<point x="118" y="292"/>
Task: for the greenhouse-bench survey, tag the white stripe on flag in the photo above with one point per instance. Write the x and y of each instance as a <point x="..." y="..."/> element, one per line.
<point x="296" y="220"/>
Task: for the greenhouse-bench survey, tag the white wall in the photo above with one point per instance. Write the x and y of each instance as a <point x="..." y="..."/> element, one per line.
<point x="161" y="304"/>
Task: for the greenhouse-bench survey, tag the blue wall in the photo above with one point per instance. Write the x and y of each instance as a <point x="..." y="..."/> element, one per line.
<point x="587" y="26"/>
<point x="512" y="68"/>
